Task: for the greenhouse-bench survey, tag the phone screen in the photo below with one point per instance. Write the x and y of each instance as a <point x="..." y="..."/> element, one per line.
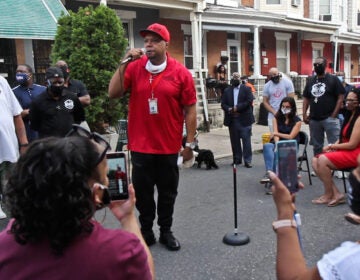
<point x="287" y="164"/>
<point x="118" y="176"/>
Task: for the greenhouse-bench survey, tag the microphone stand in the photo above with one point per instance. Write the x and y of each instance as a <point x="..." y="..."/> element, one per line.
<point x="235" y="238"/>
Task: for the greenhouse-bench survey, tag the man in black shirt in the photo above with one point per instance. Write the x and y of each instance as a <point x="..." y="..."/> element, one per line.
<point x="53" y="112"/>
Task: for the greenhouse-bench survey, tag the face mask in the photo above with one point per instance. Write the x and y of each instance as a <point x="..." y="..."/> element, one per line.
<point x="56" y="90"/>
<point x="275" y="79"/>
<point x="65" y="70"/>
<point x="319" y="69"/>
<point x="354" y="194"/>
<point x="285" y="111"/>
<point x="341" y="78"/>
<point x="235" y="83"/>
<point x="22" y="78"/>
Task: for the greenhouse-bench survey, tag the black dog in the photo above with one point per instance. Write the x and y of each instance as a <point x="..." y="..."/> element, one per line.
<point x="205" y="156"/>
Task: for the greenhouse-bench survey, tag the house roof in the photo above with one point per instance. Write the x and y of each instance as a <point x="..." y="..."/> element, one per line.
<point x="35" y="19"/>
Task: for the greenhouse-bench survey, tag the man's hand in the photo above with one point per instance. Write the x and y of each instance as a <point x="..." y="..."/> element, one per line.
<point x="187" y="154"/>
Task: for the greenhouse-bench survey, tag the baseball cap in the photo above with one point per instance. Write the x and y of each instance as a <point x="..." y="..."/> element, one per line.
<point x="158" y="29"/>
<point x="53" y="72"/>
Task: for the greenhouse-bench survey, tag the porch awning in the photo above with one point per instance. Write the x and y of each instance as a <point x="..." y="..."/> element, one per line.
<point x="35" y="19"/>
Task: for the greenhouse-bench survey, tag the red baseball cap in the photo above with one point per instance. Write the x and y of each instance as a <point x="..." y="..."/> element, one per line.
<point x="158" y="29"/>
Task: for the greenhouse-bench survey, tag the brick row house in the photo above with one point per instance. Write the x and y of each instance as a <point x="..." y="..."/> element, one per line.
<point x="252" y="36"/>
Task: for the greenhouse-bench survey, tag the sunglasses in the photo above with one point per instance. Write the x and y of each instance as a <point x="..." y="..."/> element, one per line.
<point x="78" y="130"/>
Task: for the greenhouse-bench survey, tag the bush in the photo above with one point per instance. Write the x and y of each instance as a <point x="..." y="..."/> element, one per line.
<point x="92" y="42"/>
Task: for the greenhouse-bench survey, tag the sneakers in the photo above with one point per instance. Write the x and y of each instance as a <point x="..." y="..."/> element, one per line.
<point x="313" y="174"/>
<point x="265" y="179"/>
<point x="2" y="214"/>
<point x="339" y="174"/>
<point x="268" y="188"/>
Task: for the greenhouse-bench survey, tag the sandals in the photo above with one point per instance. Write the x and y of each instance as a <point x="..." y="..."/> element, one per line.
<point x="352" y="218"/>
<point x="320" y="200"/>
<point x="337" y="201"/>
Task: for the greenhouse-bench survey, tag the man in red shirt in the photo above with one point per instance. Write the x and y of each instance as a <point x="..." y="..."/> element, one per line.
<point x="162" y="96"/>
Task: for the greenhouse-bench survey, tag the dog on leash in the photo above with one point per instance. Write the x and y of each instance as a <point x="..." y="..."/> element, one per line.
<point x="204" y="156"/>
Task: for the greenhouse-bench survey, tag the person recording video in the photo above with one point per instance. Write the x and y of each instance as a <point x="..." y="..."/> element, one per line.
<point x="52" y="195"/>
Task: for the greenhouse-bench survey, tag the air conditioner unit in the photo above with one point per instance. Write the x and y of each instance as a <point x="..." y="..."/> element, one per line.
<point x="295" y="3"/>
<point x="325" y="17"/>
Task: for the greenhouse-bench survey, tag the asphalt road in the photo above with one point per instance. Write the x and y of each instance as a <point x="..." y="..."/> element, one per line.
<point x="205" y="213"/>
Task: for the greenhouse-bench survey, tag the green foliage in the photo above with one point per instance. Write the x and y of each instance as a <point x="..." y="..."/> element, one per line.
<point x="92" y="42"/>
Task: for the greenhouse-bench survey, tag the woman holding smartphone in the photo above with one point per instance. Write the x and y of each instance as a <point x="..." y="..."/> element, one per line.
<point x="52" y="195"/>
<point x="286" y="125"/>
<point x="340" y="155"/>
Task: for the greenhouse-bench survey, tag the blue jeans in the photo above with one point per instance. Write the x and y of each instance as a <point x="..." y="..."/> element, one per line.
<point x="330" y="126"/>
<point x="269" y="156"/>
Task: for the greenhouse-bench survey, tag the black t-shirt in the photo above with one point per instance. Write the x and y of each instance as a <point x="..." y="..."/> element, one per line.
<point x="323" y="95"/>
<point x="52" y="117"/>
<point x="77" y="87"/>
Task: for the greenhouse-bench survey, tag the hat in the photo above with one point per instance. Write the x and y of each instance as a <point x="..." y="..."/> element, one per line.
<point x="158" y="29"/>
<point x="53" y="72"/>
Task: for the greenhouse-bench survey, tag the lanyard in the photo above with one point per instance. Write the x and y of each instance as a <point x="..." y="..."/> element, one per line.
<point x="155" y="83"/>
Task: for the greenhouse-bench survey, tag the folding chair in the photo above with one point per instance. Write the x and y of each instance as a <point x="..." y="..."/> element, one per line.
<point x="121" y="129"/>
<point x="343" y="175"/>
<point x="302" y="155"/>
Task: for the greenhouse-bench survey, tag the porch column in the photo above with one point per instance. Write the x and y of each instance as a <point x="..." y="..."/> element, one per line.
<point x="257" y="63"/>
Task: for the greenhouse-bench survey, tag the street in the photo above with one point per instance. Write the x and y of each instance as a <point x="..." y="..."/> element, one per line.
<point x="204" y="213"/>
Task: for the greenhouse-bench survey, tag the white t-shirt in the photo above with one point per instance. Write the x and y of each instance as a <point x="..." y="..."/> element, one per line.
<point x="9" y="107"/>
<point x="276" y="92"/>
<point x="341" y="263"/>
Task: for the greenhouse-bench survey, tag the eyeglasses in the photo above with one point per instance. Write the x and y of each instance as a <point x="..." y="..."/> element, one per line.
<point x="78" y="130"/>
<point x="351" y="100"/>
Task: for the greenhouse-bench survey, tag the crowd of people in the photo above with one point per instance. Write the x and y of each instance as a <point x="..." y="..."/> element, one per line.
<point x="59" y="178"/>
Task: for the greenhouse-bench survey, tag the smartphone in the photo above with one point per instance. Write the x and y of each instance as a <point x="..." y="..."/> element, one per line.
<point x="286" y="157"/>
<point x="118" y="176"/>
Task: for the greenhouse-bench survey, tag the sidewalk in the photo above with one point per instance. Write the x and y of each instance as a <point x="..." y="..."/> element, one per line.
<point x="218" y="140"/>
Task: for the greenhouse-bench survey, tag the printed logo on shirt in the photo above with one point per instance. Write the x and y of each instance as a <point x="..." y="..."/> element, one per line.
<point x="318" y="90"/>
<point x="69" y="104"/>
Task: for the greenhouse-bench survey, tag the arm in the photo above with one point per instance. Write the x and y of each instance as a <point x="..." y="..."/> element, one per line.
<point x="306" y="102"/>
<point x="276" y="130"/>
<point x="267" y="105"/>
<point x="294" y="132"/>
<point x="224" y="104"/>
<point x="79" y="113"/>
<point x="290" y="262"/>
<point x="85" y="100"/>
<point x="125" y="213"/>
<point x="20" y="133"/>
<point x="339" y="103"/>
<point x="190" y="123"/>
<point x="243" y="105"/>
<point x="116" y="85"/>
<point x="353" y="142"/>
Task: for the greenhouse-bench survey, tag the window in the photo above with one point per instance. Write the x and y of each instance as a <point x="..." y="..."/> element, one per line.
<point x="188" y="52"/>
<point x="341" y="10"/>
<point x="324" y="7"/>
<point x="283" y="51"/>
<point x="271" y="2"/>
<point x="317" y="50"/>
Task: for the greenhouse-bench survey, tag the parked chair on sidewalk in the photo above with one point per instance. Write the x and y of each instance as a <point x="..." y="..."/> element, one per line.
<point x="303" y="143"/>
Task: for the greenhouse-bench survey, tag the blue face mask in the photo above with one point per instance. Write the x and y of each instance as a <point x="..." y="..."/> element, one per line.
<point x="22" y="78"/>
<point x="341" y="78"/>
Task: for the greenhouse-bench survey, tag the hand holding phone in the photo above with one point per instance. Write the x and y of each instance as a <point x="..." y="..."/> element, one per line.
<point x="286" y="156"/>
<point x="118" y="176"/>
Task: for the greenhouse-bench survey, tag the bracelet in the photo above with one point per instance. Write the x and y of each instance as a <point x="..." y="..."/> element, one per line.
<point x="24" y="145"/>
<point x="284" y="223"/>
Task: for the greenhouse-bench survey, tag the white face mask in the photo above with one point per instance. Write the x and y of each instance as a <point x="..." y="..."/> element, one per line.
<point x="285" y="111"/>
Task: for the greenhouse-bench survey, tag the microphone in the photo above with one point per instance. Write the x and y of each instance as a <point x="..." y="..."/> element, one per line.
<point x="130" y="58"/>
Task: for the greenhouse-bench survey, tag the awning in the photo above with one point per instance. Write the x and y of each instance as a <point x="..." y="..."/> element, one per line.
<point x="35" y="19"/>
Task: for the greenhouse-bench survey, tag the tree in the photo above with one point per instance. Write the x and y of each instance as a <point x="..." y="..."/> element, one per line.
<point x="92" y="42"/>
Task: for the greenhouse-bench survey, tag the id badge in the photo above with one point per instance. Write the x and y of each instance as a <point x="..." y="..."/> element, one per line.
<point x="153" y="106"/>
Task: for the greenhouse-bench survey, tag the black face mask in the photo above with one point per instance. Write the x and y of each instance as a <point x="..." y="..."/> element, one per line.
<point x="56" y="90"/>
<point x="354" y="194"/>
<point x="65" y="72"/>
<point x="275" y="79"/>
<point x="319" y="69"/>
<point x="235" y="83"/>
